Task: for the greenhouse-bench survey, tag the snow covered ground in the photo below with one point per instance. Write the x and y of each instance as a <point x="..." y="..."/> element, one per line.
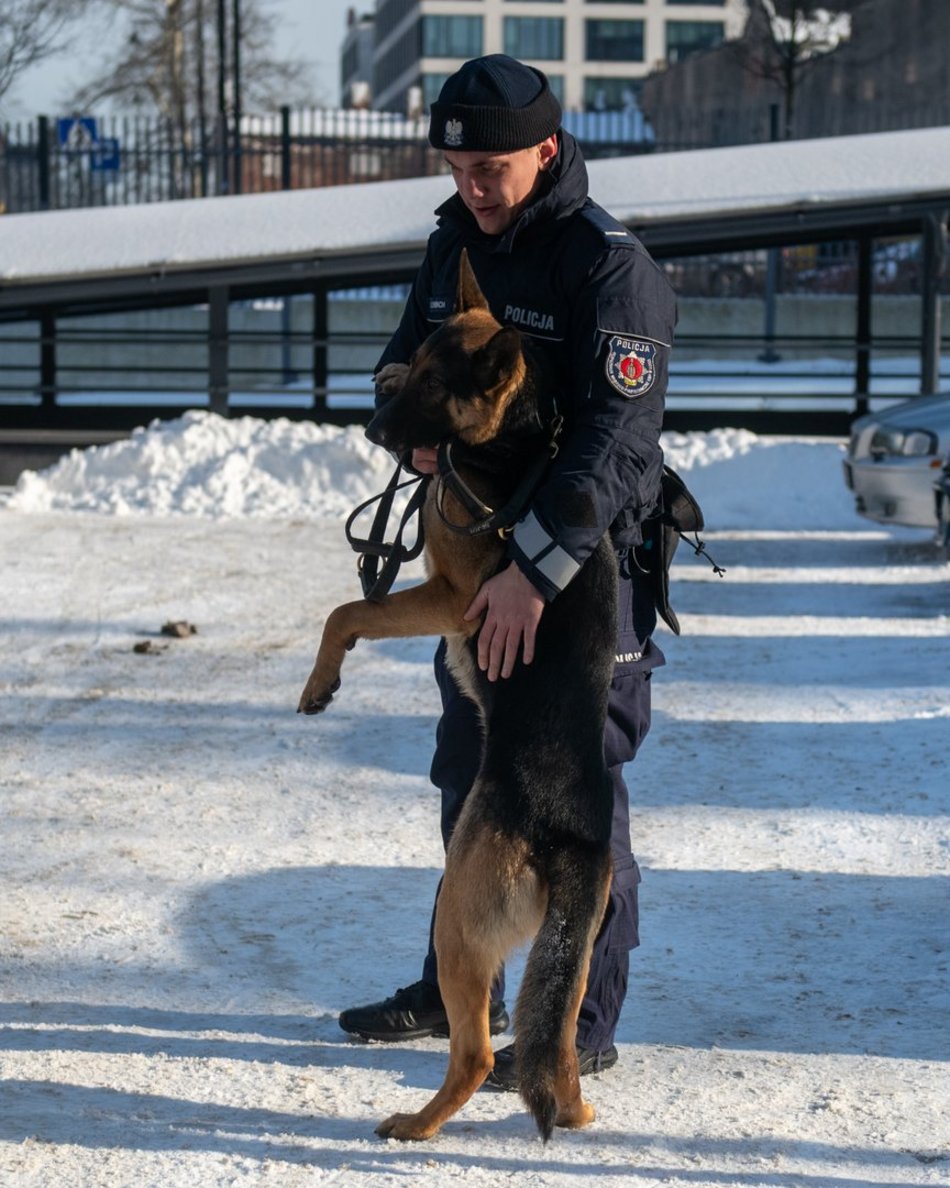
<point x="195" y="880"/>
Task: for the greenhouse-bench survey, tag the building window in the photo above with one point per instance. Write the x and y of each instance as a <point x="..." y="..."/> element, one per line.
<point x="389" y="13"/>
<point x="534" y="37"/>
<point x="451" y="36"/>
<point x="400" y="57"/>
<point x="706" y="3"/>
<point x="614" y="41"/>
<point x="556" y="83"/>
<point x="644" y="1"/>
<point x="686" y="37"/>
<point x="431" y="86"/>
<point x="610" y="94"/>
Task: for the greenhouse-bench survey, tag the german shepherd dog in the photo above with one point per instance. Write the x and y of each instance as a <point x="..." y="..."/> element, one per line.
<point x="530" y="853"/>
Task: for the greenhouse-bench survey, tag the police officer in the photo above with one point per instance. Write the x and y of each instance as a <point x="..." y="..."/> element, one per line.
<point x="554" y="264"/>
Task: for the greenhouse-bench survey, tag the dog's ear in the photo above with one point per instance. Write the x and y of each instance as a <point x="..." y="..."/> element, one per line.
<point x="498" y="360"/>
<point x="468" y="295"/>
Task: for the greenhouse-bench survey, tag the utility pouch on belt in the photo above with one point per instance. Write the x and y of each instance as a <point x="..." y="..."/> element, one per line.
<point x="677" y="514"/>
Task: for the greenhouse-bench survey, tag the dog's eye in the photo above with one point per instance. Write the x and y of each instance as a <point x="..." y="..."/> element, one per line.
<point x="433" y="385"/>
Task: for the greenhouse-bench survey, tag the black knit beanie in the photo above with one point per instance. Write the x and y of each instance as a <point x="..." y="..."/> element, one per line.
<point x="494" y="104"/>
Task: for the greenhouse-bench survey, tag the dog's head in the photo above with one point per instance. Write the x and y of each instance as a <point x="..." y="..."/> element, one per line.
<point x="460" y="382"/>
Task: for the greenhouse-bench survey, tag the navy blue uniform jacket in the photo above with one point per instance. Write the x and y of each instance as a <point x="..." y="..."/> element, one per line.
<point x="586" y="291"/>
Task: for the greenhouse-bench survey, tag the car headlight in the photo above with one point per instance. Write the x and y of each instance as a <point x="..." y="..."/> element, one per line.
<point x="911" y="443"/>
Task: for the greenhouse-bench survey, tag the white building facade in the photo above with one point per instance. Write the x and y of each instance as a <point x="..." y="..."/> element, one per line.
<point x="595" y="52"/>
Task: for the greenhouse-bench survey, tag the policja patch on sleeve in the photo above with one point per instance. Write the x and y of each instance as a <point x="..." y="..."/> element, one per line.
<point x="631" y="365"/>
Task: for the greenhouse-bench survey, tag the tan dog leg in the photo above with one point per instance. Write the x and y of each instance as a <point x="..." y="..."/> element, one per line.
<point x="490" y="901"/>
<point x="432" y="608"/>
<point x="572" y="1110"/>
<point x="470" y="1060"/>
<point x="465" y="974"/>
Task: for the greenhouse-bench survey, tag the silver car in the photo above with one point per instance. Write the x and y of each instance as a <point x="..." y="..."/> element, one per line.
<point x="894" y="458"/>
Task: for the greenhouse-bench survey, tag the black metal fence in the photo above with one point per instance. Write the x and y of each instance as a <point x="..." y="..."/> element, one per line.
<point x="81" y="160"/>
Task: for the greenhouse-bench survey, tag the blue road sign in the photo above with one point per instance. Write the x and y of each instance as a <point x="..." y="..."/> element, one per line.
<point x="78" y="134"/>
<point x="105" y="156"/>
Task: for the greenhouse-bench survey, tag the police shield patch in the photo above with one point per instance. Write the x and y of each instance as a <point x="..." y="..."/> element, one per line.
<point x="631" y="365"/>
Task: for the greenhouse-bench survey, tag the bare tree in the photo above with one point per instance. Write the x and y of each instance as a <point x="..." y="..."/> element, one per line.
<point x="31" y="31"/>
<point x="171" y="51"/>
<point x="784" y="37"/>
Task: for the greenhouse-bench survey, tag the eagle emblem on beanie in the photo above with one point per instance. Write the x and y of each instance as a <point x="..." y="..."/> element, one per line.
<point x="494" y="104"/>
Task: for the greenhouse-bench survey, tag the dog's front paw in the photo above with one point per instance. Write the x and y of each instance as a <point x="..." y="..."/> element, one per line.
<point x="405" y="1127"/>
<point x="316" y="696"/>
<point x="391" y="379"/>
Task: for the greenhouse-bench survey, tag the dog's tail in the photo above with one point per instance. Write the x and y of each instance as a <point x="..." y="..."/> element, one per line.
<point x="555" y="976"/>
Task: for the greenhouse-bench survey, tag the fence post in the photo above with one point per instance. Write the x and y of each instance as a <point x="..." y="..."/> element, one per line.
<point x="285" y="175"/>
<point x="934" y="249"/>
<point x="47" y="321"/>
<point x="42" y="160"/>
<point x="862" y="363"/>
<point x="770" y="354"/>
<point x="321" y="328"/>
<point x="218" y="349"/>
<point x="236" y="96"/>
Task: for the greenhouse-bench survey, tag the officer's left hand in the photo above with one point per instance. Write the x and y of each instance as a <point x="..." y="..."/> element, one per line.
<point x="512" y="609"/>
<point x="390" y="380"/>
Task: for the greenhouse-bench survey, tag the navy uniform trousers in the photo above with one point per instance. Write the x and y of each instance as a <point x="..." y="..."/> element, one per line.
<point x="455" y="766"/>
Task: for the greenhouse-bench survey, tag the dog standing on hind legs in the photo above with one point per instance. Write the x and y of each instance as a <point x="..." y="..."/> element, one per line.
<point x="530" y="853"/>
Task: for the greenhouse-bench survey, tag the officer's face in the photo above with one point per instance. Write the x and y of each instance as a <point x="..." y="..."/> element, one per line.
<point x="496" y="187"/>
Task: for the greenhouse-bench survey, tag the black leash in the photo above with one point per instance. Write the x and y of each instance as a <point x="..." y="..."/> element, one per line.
<point x="485" y="518"/>
<point x="373" y="549"/>
<point x="377" y="583"/>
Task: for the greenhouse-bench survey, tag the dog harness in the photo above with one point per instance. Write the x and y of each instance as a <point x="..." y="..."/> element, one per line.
<point x="485" y="518"/>
<point x="373" y="549"/>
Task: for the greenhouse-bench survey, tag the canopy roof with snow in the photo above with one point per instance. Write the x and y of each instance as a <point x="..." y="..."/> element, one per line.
<point x="675" y="200"/>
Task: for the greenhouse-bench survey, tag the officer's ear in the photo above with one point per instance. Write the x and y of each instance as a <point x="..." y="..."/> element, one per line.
<point x="468" y="295"/>
<point x="547" y="151"/>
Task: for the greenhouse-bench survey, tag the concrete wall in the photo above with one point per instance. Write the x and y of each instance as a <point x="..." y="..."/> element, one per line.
<point x="811" y="317"/>
<point x="167" y="350"/>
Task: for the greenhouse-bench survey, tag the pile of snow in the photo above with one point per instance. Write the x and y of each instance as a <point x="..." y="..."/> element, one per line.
<point x="744" y="481"/>
<point x="205" y="465"/>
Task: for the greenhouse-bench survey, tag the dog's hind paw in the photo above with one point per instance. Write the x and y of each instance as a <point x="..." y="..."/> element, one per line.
<point x="316" y="703"/>
<point x="406" y="1128"/>
<point x="580" y="1113"/>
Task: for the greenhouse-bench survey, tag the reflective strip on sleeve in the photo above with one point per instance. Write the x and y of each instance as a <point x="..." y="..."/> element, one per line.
<point x="551" y="561"/>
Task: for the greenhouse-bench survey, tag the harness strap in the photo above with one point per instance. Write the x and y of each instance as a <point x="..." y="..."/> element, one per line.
<point x="485" y="518"/>
<point x="376" y="584"/>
